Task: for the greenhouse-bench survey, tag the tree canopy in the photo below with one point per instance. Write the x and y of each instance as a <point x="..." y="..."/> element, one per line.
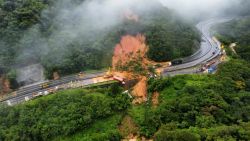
<point x="35" y="31"/>
<point x="63" y="114"/>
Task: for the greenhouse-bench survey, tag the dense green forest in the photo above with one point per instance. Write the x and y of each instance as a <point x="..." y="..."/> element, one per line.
<point x="35" y="31"/>
<point x="64" y="114"/>
<point x="191" y="107"/>
<point x="236" y="31"/>
<point x="169" y="37"/>
<point x="204" y="107"/>
<point x="199" y="107"/>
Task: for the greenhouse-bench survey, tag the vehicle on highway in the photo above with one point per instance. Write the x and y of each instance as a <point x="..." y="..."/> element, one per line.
<point x="26" y="98"/>
<point x="122" y="80"/>
<point x="81" y="74"/>
<point x="212" y="69"/>
<point x="36" y="95"/>
<point x="177" y="66"/>
<point x="45" y="85"/>
<point x="176" y="62"/>
<point x="206" y="66"/>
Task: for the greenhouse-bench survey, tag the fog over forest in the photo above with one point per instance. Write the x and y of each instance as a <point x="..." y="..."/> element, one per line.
<point x="91" y="19"/>
<point x="65" y="25"/>
<point x="194" y="8"/>
<point x="110" y="70"/>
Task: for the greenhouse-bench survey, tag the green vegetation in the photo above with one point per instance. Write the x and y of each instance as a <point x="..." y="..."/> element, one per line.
<point x="90" y="114"/>
<point x="15" y="18"/>
<point x="169" y="38"/>
<point x="191" y="107"/>
<point x="30" y="32"/>
<point x="203" y="107"/>
<point x="236" y="31"/>
<point x="199" y="107"/>
<point x="101" y="130"/>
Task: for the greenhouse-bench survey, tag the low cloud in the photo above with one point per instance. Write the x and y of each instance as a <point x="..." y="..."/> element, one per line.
<point x="201" y="8"/>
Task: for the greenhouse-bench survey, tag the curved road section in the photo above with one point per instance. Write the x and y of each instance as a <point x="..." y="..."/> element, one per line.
<point x="204" y="54"/>
<point x="209" y="50"/>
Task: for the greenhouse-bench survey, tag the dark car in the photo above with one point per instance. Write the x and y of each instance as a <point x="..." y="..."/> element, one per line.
<point x="177" y="62"/>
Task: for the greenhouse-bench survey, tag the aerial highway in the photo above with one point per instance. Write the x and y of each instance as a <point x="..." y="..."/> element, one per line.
<point x="28" y="91"/>
<point x="209" y="50"/>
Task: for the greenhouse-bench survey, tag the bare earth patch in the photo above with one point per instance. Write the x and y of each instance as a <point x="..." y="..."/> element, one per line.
<point x="56" y="76"/>
<point x="155" y="99"/>
<point x="128" y="128"/>
<point x="130" y="48"/>
<point x="4" y="86"/>
<point x="140" y="91"/>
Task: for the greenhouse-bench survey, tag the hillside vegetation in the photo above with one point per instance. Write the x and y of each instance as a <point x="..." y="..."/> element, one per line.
<point x="32" y="31"/>
<point x="236" y="31"/>
<point x="64" y="114"/>
<point x="197" y="107"/>
<point x="204" y="107"/>
<point x="169" y="37"/>
<point x="201" y="107"/>
<point x="191" y="107"/>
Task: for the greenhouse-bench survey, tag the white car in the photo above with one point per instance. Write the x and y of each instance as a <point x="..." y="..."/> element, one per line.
<point x="27" y="98"/>
<point x="45" y="92"/>
<point x="9" y="103"/>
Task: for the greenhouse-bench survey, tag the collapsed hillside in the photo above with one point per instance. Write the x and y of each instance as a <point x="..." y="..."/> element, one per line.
<point x="4" y="86"/>
<point x="65" y="39"/>
<point x="131" y="48"/>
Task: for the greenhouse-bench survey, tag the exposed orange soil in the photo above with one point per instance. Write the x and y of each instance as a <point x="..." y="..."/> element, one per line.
<point x="124" y="74"/>
<point x="56" y="76"/>
<point x="155" y="99"/>
<point x="140" y="91"/>
<point x="130" y="47"/>
<point x="133" y="48"/>
<point x="101" y="79"/>
<point x="128" y="128"/>
<point x="4" y="86"/>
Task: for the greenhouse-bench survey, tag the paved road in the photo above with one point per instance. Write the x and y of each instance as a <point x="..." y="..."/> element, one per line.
<point x="204" y="54"/>
<point x="36" y="88"/>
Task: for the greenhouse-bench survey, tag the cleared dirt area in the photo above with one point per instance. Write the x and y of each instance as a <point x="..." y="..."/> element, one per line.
<point x="130" y="48"/>
<point x="140" y="91"/>
<point x="128" y="128"/>
<point x="4" y="86"/>
<point x="130" y="51"/>
<point x="155" y="99"/>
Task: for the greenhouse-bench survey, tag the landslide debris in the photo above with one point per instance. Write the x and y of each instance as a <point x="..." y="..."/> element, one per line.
<point x="4" y="86"/>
